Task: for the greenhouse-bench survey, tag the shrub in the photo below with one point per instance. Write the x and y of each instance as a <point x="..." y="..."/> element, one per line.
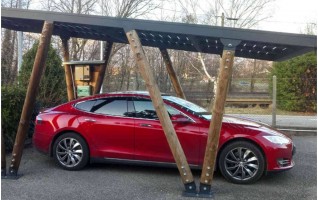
<point x="297" y="83"/>
<point x="52" y="90"/>
<point x="12" y="100"/>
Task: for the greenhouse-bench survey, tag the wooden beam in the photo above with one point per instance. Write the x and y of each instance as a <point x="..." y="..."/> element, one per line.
<point x="173" y="141"/>
<point x="101" y="73"/>
<point x="29" y="102"/>
<point x="173" y="76"/>
<point x="226" y="66"/>
<point x="68" y="70"/>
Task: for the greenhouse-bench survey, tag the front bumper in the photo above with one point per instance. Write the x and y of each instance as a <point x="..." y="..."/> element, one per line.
<point x="281" y="159"/>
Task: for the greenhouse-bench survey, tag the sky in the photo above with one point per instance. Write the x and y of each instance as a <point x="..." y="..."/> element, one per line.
<point x="287" y="15"/>
<point x="292" y="15"/>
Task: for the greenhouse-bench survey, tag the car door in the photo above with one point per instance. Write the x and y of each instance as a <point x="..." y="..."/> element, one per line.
<point x="111" y="128"/>
<point x="150" y="141"/>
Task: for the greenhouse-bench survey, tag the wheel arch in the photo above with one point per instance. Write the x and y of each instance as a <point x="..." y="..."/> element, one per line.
<point x="241" y="139"/>
<point x="64" y="132"/>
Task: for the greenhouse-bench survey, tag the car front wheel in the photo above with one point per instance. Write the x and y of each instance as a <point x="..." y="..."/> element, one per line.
<point x="241" y="162"/>
<point x="70" y="151"/>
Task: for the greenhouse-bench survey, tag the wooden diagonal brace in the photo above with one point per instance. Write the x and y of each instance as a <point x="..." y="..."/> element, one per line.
<point x="162" y="113"/>
<point x="172" y="74"/>
<point x="37" y="71"/>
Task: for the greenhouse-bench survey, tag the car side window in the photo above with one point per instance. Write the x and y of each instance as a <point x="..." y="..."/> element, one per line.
<point x="144" y="109"/>
<point x="86" y="105"/>
<point x="111" y="106"/>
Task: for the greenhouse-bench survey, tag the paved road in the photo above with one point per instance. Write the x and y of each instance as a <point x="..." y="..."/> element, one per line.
<point x="43" y="180"/>
<point x="285" y="120"/>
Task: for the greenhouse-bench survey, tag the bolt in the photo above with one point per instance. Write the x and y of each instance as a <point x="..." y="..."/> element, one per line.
<point x="185" y="174"/>
<point x="228" y="53"/>
<point x="182" y="167"/>
<point x="207" y="174"/>
<point x="190" y="187"/>
<point x="11" y="165"/>
<point x="204" y="188"/>
<point x="13" y="160"/>
<point x="209" y="167"/>
<point x="230" y="45"/>
<point x="187" y="180"/>
<point x="226" y="67"/>
<point x="206" y="181"/>
<point x="12" y="171"/>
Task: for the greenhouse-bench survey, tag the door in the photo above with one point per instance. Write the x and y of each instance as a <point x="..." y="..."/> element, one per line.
<point x="150" y="141"/>
<point x="111" y="128"/>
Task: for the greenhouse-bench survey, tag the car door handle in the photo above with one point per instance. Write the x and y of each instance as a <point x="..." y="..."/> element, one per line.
<point x="90" y="120"/>
<point x="146" y="125"/>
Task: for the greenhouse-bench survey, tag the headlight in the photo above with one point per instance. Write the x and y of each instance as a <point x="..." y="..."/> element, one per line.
<point x="277" y="139"/>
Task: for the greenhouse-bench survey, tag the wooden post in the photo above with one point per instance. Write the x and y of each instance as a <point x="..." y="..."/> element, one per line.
<point x="68" y="70"/>
<point x="3" y="157"/>
<point x="173" y="77"/>
<point x="101" y="74"/>
<point x="161" y="111"/>
<point x="216" y="121"/>
<point x="29" y="102"/>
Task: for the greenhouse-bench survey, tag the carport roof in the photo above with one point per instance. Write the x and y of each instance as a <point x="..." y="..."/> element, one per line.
<point x="264" y="45"/>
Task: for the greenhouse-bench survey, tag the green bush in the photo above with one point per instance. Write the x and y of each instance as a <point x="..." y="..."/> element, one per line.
<point x="52" y="90"/>
<point x="297" y="83"/>
<point x="12" y="100"/>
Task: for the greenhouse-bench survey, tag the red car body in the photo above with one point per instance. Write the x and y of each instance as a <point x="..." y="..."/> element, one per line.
<point x="139" y="139"/>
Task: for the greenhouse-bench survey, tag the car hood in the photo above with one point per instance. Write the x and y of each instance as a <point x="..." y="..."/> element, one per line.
<point x="252" y="124"/>
<point x="238" y="121"/>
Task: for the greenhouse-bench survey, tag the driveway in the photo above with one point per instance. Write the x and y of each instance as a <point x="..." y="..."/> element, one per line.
<point x="42" y="179"/>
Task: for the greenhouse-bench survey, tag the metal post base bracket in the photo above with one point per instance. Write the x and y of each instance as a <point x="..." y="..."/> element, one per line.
<point x="13" y="175"/>
<point x="205" y="191"/>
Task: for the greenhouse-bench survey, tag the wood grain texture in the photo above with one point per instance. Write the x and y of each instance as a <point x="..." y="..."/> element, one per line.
<point x="158" y="103"/>
<point x="29" y="102"/>
<point x="172" y="74"/>
<point x="226" y="66"/>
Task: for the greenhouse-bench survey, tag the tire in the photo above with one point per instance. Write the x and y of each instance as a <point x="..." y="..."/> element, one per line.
<point x="70" y="151"/>
<point x="243" y="168"/>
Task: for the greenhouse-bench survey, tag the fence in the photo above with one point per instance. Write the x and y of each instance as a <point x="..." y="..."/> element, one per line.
<point x="257" y="99"/>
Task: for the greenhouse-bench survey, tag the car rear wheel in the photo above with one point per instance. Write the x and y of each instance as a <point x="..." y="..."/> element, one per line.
<point x="70" y="151"/>
<point x="241" y="162"/>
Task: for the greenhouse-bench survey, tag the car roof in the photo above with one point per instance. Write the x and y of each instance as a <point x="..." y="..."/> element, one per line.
<point x="118" y="93"/>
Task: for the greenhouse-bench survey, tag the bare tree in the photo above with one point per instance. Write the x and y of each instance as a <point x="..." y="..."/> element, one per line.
<point x="9" y="47"/>
<point x="128" y="8"/>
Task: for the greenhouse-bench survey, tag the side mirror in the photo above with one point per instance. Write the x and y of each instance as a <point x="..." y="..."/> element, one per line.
<point x="180" y="119"/>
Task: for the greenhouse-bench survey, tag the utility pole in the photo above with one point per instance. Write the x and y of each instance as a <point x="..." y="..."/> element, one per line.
<point x="222" y="19"/>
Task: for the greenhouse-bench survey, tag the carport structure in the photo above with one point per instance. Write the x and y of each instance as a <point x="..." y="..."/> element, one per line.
<point x="226" y="42"/>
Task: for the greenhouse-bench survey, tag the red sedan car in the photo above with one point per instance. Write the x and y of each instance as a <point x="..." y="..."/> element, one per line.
<point x="124" y="127"/>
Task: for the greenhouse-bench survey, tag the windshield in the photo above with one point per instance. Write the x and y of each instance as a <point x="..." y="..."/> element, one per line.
<point x="186" y="104"/>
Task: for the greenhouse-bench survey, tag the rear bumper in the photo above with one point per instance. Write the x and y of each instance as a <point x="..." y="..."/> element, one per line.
<point x="42" y="142"/>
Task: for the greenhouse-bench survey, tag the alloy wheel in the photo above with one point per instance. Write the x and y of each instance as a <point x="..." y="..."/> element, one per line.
<point x="241" y="163"/>
<point x="69" y="152"/>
